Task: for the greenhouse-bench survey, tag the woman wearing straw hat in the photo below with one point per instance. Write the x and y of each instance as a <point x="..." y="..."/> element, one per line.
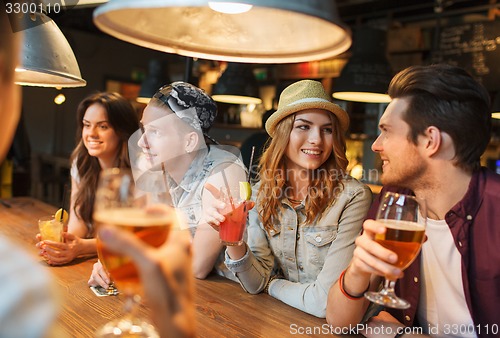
<point x="308" y="211"/>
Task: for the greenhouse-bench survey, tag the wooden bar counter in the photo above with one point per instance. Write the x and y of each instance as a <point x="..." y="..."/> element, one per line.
<point x="223" y="308"/>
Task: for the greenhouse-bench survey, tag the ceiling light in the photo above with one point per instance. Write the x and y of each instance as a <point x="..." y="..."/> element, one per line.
<point x="47" y="59"/>
<point x="229" y="7"/>
<point x="156" y="78"/>
<point x="60" y="99"/>
<point x="237" y="85"/>
<point x="495" y="111"/>
<point x="367" y="74"/>
<point x="277" y="31"/>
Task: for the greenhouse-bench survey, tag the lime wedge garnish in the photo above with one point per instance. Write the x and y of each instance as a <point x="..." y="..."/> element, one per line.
<point x="57" y="215"/>
<point x="245" y="191"/>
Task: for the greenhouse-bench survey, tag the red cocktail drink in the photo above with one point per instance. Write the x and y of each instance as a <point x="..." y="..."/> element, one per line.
<point x="232" y="229"/>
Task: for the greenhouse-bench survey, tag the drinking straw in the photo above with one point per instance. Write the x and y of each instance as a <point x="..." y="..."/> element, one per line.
<point x="228" y="190"/>
<point x="65" y="193"/>
<point x="250" y="164"/>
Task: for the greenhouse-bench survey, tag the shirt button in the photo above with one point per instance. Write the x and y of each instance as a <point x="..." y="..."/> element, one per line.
<point x="301" y="268"/>
<point x="318" y="239"/>
<point x="298" y="235"/>
<point x="407" y="318"/>
<point x="290" y="228"/>
<point x="460" y="244"/>
<point x="415" y="279"/>
<point x="469" y="217"/>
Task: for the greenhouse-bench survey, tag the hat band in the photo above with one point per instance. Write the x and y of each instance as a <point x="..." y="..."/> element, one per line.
<point x="307" y="100"/>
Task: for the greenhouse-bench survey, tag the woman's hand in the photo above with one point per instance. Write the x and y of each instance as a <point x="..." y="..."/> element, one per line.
<point x="212" y="213"/>
<point x="99" y="276"/>
<point x="59" y="253"/>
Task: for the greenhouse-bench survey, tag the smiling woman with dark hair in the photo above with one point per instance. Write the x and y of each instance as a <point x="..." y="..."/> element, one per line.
<point x="105" y="123"/>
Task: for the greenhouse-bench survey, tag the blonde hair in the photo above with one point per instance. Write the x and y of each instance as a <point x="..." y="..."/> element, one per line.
<point x="324" y="183"/>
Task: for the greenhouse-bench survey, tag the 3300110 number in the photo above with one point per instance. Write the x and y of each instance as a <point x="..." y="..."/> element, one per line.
<point x="31" y="8"/>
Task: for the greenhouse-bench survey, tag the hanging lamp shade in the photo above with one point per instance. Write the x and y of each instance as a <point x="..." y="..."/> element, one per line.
<point x="47" y="59"/>
<point x="271" y="31"/>
<point x="156" y="78"/>
<point x="237" y="85"/>
<point x="367" y="74"/>
<point x="495" y="111"/>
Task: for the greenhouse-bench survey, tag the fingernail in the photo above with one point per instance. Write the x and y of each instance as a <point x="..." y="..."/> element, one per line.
<point x="393" y="258"/>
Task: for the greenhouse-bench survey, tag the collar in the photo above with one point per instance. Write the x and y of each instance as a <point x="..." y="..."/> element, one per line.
<point x="191" y="178"/>
<point x="468" y="207"/>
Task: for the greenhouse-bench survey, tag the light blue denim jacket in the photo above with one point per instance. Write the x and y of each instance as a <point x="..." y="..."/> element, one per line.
<point x="309" y="256"/>
<point x="187" y="195"/>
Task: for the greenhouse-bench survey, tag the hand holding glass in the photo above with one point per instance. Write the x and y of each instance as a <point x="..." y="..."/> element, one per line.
<point x="404" y="217"/>
<point x="116" y="204"/>
<point x="235" y="213"/>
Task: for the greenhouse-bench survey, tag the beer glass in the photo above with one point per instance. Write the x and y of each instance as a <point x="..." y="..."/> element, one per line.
<point x="404" y="217"/>
<point x="116" y="204"/>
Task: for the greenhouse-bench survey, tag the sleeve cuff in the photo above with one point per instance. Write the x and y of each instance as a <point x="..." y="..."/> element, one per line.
<point x="242" y="264"/>
<point x="275" y="286"/>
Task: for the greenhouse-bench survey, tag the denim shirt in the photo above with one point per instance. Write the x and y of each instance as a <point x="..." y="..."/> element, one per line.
<point x="187" y="195"/>
<point x="309" y="256"/>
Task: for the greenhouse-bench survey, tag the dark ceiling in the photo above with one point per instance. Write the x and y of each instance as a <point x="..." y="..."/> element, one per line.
<point x="352" y="12"/>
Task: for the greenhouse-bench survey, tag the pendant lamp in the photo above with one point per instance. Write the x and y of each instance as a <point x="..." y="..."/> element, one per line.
<point x="156" y="78"/>
<point x="237" y="85"/>
<point x="266" y="31"/>
<point x="47" y="59"/>
<point x="495" y="111"/>
<point x="367" y="74"/>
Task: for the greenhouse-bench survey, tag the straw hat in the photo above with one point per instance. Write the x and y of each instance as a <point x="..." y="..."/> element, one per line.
<point x="305" y="94"/>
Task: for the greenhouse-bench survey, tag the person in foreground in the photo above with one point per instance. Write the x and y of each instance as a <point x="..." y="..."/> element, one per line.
<point x="432" y="135"/>
<point x="28" y="307"/>
<point x="166" y="278"/>
<point x="105" y="123"/>
<point x="308" y="211"/>
<point x="27" y="289"/>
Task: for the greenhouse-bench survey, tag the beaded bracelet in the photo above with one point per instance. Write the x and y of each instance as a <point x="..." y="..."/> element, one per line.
<point x="266" y="289"/>
<point x="344" y="292"/>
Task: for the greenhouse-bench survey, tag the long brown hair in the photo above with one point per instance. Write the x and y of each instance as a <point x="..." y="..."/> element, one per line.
<point x="123" y="118"/>
<point x="324" y="182"/>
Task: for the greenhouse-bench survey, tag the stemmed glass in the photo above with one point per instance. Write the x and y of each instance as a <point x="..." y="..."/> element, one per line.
<point x="404" y="216"/>
<point x="116" y="204"/>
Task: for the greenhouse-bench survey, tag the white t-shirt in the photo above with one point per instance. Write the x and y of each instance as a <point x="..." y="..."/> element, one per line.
<point x="442" y="310"/>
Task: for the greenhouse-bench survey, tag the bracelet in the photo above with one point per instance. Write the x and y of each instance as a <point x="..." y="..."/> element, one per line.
<point x="345" y="293"/>
<point x="266" y="289"/>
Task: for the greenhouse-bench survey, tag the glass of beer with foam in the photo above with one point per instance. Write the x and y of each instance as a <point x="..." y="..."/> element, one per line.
<point x="116" y="203"/>
<point x="404" y="217"/>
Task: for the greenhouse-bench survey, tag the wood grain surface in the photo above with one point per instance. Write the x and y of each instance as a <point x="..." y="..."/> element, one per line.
<point x="223" y="308"/>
